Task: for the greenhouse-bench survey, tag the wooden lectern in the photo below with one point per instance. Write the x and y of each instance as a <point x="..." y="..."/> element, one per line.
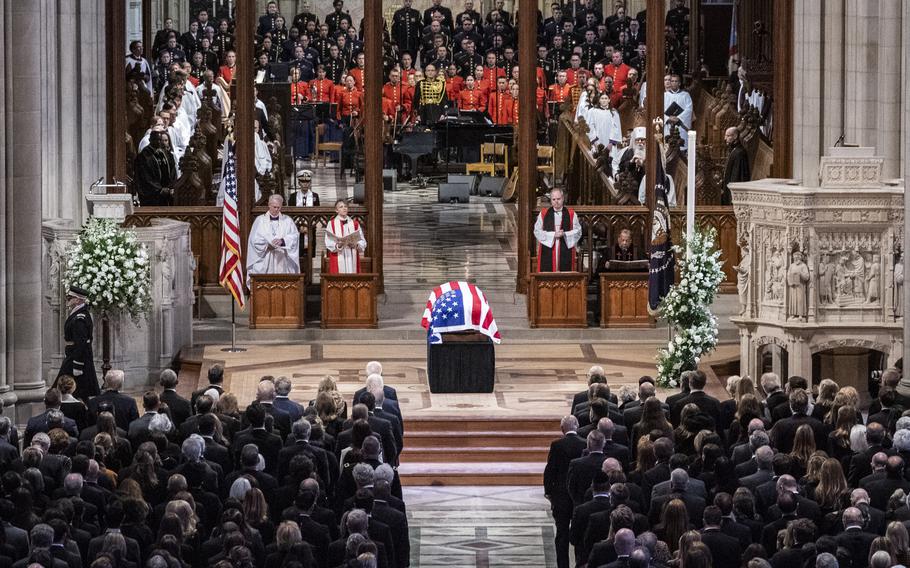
<point x="349" y="300"/>
<point x="277" y="301"/>
<point x="624" y="300"/>
<point x="558" y="299"/>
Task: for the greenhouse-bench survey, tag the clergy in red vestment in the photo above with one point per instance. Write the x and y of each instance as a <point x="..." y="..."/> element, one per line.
<point x="344" y="241"/>
<point x="470" y="97"/>
<point x="499" y="106"/>
<point x="349" y="100"/>
<point x="557" y="231"/>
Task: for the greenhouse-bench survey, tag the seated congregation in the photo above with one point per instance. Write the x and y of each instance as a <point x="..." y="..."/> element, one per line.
<point x="781" y="477"/>
<point x="201" y="482"/>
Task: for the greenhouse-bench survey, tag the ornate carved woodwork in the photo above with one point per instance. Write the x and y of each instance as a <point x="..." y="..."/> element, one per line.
<point x="624" y="300"/>
<point x="277" y="301"/>
<point x="558" y="299"/>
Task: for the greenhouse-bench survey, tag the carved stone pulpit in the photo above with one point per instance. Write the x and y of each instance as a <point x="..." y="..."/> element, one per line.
<point x="821" y="276"/>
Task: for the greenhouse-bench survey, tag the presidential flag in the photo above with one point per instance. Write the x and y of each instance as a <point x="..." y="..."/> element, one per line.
<point x="662" y="261"/>
<point x="734" y="40"/>
<point x="458" y="306"/>
<point x="231" y="273"/>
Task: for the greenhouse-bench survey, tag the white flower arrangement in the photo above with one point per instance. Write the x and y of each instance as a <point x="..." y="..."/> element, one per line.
<point x="687" y="307"/>
<point x="112" y="266"/>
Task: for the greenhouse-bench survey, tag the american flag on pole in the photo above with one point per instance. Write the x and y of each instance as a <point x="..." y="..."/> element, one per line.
<point x="458" y="306"/>
<point x="734" y="48"/>
<point x="231" y="274"/>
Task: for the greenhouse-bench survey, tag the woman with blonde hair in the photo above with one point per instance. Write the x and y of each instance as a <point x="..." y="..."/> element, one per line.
<point x="327" y="411"/>
<point x="186" y="515"/>
<point x="256" y="514"/>
<point x="832" y="486"/>
<point x="674" y="523"/>
<point x="900" y="540"/>
<point x="645" y="460"/>
<point x="71" y="406"/>
<point x="329" y="384"/>
<point x="839" y="437"/>
<point x="813" y="470"/>
<point x="827" y="390"/>
<point x="803" y="448"/>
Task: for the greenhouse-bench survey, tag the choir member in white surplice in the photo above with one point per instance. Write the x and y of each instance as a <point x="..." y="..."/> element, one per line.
<point x="274" y="246"/>
<point x="674" y="94"/>
<point x="604" y="123"/>
<point x="343" y="248"/>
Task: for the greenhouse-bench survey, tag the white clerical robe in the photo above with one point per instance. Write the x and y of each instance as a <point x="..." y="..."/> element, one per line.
<point x="605" y="126"/>
<point x="548" y="238"/>
<point x="265" y="258"/>
<point x="671" y="191"/>
<point x="683" y="99"/>
<point x="222" y="100"/>
<point x="582" y="109"/>
<point x="343" y="260"/>
<point x="300" y="198"/>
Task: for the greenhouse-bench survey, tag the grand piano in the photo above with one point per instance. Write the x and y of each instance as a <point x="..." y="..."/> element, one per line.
<point x="454" y="140"/>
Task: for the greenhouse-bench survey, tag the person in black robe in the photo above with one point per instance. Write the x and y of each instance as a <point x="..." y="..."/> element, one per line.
<point x="79" y="359"/>
<point x="737" y="168"/>
<point x="156" y="172"/>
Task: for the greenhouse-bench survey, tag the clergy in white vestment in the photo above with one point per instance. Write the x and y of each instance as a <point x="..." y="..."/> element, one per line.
<point x="557" y="231"/>
<point x="344" y="241"/>
<point x="274" y="245"/>
<point x="586" y="99"/>
<point x="604" y="124"/>
<point x="674" y="94"/>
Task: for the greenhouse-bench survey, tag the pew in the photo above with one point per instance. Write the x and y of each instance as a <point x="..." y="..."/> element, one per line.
<point x="349" y="300"/>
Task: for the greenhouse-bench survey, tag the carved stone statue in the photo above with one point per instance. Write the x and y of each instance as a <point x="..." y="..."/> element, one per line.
<point x="797" y="282"/>
<point x="743" y="273"/>
<point x="775" y="288"/>
<point x="899" y="285"/>
<point x="874" y="280"/>
<point x="826" y="270"/>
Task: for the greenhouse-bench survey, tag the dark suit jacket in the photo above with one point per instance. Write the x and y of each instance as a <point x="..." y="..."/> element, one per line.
<point x="124" y="407"/>
<point x="880" y="491"/>
<point x="602" y="554"/>
<point x="317" y="536"/>
<point x="219" y="454"/>
<point x="725" y="549"/>
<point x="318" y="456"/>
<point x="674" y="399"/>
<point x="397" y="430"/>
<point x="774" y="399"/>
<point x="582" y="396"/>
<point x="861" y="463"/>
<point x="581" y="472"/>
<point x="694" y="505"/>
<point x="745" y="468"/>
<point x="178" y="406"/>
<point x="387" y="393"/>
<point x="857" y="542"/>
<point x="38" y="423"/>
<point x="752" y="482"/>
<point x="132" y="548"/>
<point x="742" y="533"/>
<point x="708" y="404"/>
<point x="556" y="472"/>
<point x="631" y="414"/>
<point x="783" y="432"/>
<point x="269" y="445"/>
<point x="658" y="473"/>
<point x="398" y="526"/>
<point x="769" y="533"/>
<point x="581" y="517"/>
<point x="293" y="409"/>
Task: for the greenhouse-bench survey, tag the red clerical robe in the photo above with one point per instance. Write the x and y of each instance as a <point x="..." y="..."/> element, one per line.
<point x="348" y="102"/>
<point x="472" y="99"/>
<point x="499" y="108"/>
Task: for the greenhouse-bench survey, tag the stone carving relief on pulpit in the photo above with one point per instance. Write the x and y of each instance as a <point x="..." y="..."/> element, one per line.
<point x="774" y="286"/>
<point x="798" y="285"/>
<point x="166" y="260"/>
<point x="56" y="266"/>
<point x="897" y="288"/>
<point x="743" y="274"/>
<point x="849" y="272"/>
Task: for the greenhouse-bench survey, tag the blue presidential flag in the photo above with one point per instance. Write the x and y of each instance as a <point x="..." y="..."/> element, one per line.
<point x="662" y="261"/>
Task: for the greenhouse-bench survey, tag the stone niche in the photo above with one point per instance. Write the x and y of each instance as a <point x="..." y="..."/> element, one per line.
<point x="142" y="350"/>
<point x="821" y="276"/>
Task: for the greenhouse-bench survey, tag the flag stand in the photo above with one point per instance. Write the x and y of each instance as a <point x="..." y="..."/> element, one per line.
<point x="233" y="348"/>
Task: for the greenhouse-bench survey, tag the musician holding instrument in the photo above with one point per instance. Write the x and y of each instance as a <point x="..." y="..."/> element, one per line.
<point x="470" y="98"/>
<point x="396" y="99"/>
<point x="430" y="99"/>
<point x="350" y="113"/>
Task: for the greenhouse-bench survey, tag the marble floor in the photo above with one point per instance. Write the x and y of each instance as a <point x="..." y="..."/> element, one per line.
<point x="479" y="526"/>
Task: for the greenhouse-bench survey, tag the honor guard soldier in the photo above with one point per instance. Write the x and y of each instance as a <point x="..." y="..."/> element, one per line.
<point x="406" y="28"/>
<point x="267" y="22"/>
<point x="334" y="19"/>
<point x="77" y="336"/>
<point x="301" y="19"/>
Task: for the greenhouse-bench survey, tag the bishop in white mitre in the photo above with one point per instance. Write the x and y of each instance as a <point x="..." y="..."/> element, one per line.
<point x="343" y="250"/>
<point x="274" y="245"/>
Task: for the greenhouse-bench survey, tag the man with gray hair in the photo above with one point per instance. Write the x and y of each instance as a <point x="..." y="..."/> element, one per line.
<point x="281" y="420"/>
<point x="385" y="472"/>
<point x="595" y="375"/>
<point x="40" y="422"/>
<point x="583" y="469"/>
<point x="283" y="400"/>
<point x="749" y="466"/>
<point x="358" y="521"/>
<point x="679" y="489"/>
<point x="363" y="476"/>
<point x="122" y="406"/>
<point x="612" y="449"/>
<point x="387" y="410"/>
<point x="555" y="478"/>
<point x="178" y="407"/>
<point x="300" y="444"/>
<point x="854" y="538"/>
<point x="373" y="370"/>
<point x="826" y="560"/>
<point x="396" y="519"/>
<point x="774" y="394"/>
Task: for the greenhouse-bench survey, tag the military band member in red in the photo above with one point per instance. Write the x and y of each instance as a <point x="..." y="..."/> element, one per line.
<point x="300" y="90"/>
<point x="322" y="89"/>
<point x="482" y="84"/>
<point x="559" y="92"/>
<point x="499" y="106"/>
<point x="491" y="70"/>
<point x="349" y="100"/>
<point x="357" y="72"/>
<point x="407" y="68"/>
<point x="454" y="82"/>
<point x="470" y="97"/>
<point x="396" y="98"/>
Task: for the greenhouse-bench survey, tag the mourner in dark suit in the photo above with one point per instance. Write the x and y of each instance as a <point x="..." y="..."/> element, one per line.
<point x="555" y="479"/>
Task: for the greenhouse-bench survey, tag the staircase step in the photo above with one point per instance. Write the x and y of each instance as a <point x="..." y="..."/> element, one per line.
<point x="479" y="439"/>
<point x="482" y="424"/>
<point x="469" y="454"/>
<point x="490" y="473"/>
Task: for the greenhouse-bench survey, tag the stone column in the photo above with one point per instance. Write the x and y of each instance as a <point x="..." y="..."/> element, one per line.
<point x="6" y="395"/>
<point x="905" y="169"/>
<point x="23" y="216"/>
<point x="886" y="88"/>
<point x="808" y="62"/>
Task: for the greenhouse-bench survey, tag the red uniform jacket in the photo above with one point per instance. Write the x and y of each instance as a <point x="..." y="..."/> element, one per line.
<point x="348" y="102"/>
<point x="473" y="99"/>
<point x="300" y="92"/>
<point x="490" y="74"/>
<point x="357" y="74"/>
<point x="453" y="87"/>
<point x="227" y="73"/>
<point x="322" y="91"/>
<point x="394" y="95"/>
<point x="499" y="107"/>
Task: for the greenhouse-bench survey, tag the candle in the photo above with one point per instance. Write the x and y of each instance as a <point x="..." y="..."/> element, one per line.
<point x="690" y="192"/>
